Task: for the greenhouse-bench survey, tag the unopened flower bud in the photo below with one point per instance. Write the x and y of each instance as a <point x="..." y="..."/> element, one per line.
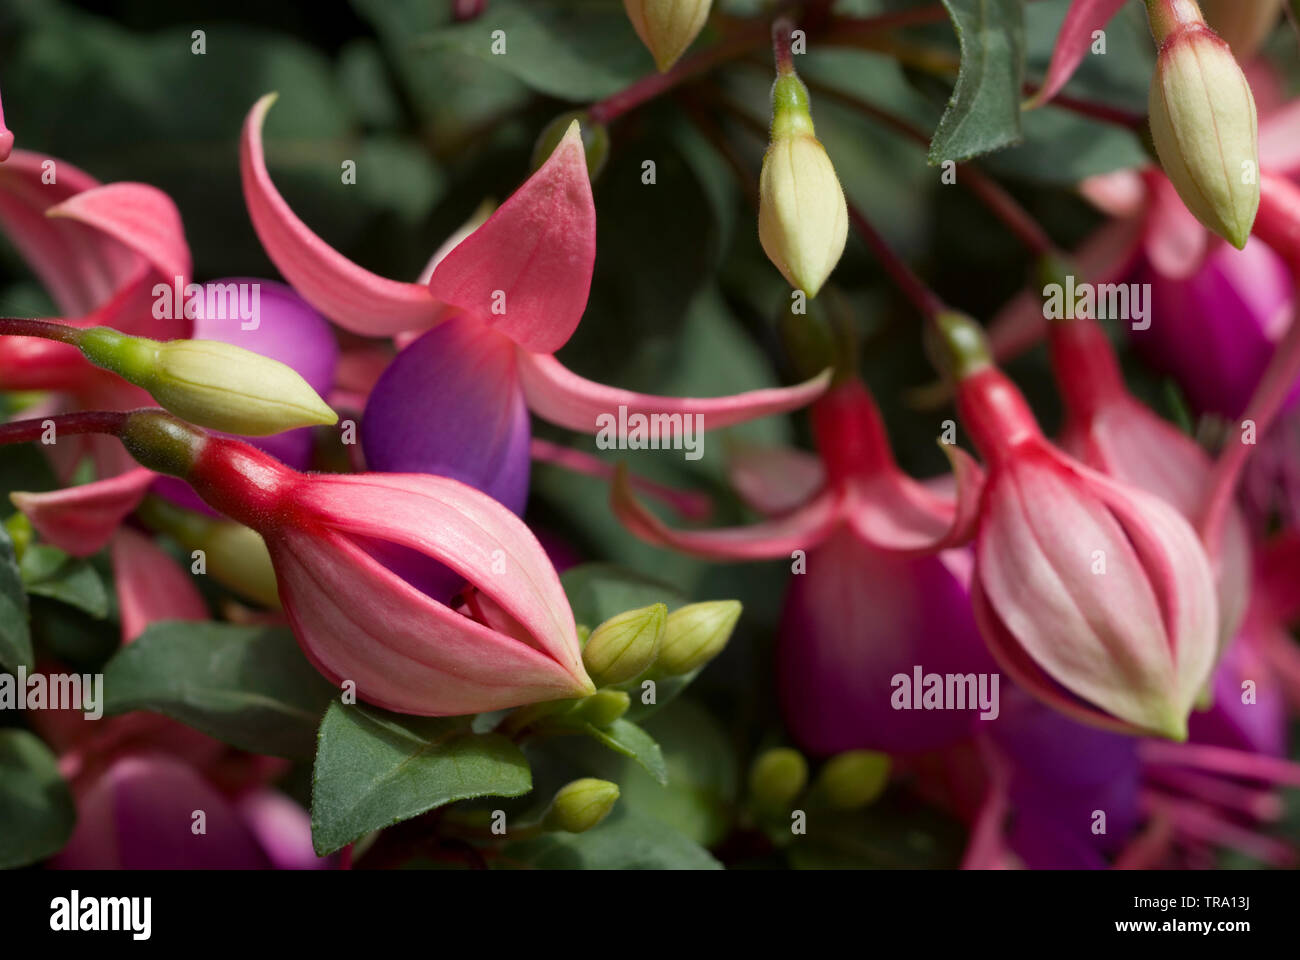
<point x="777" y="777"/>
<point x="803" y="219"/>
<point x="595" y="140"/>
<point x="696" y="633"/>
<point x="1242" y="23"/>
<point x="581" y="805"/>
<point x="20" y="532"/>
<point x="603" y="707"/>
<point x="1203" y="121"/>
<point x="851" y="780"/>
<point x="667" y="27"/>
<point x="625" y="645"/>
<point x="210" y="383"/>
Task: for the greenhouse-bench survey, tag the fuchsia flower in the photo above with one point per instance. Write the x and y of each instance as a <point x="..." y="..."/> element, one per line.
<point x="332" y="539"/>
<point x="882" y="593"/>
<point x="500" y="302"/>
<point x="1109" y="430"/>
<point x="1095" y="596"/>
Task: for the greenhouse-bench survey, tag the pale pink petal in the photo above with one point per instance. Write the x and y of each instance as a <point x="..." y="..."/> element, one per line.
<point x="1119" y="193"/>
<point x="356" y="620"/>
<point x="1176" y="243"/>
<point x="527" y="270"/>
<point x="467" y="531"/>
<point x="1279" y="140"/>
<point x="81" y="520"/>
<point x="1073" y="43"/>
<point x="774" y="480"/>
<point x="282" y="828"/>
<point x="6" y="137"/>
<point x="893" y="512"/>
<point x="150" y="585"/>
<point x="559" y="395"/>
<point x="803" y="529"/>
<point x="138" y="216"/>
<point x="348" y="294"/>
<point x="691" y="505"/>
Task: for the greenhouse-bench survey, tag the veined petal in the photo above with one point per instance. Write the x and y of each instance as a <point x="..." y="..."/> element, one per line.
<point x="527" y="270"/>
<point x="803" y="529"/>
<point x="150" y="585"/>
<point x="140" y="217"/>
<point x="348" y="294"/>
<point x="81" y="520"/>
<point x="450" y="405"/>
<point x="894" y="513"/>
<point x="559" y="395"/>
<point x="410" y="653"/>
<point x="465" y="530"/>
<point x="1072" y="43"/>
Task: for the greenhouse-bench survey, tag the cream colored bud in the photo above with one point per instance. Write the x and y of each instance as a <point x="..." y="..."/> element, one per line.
<point x="667" y="27"/>
<point x="1205" y="130"/>
<point x="696" y="633"/>
<point x="625" y="645"/>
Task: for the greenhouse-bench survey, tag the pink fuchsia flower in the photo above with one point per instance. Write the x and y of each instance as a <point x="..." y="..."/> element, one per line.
<point x="884" y="589"/>
<point x="500" y="302"/>
<point x="139" y="814"/>
<point x="333" y="540"/>
<point x="1109" y="430"/>
<point x="1095" y="596"/>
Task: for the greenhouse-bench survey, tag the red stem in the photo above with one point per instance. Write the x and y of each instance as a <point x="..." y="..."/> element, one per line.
<point x="45" y="329"/>
<point x="782" y="37"/>
<point x="95" y="421"/>
<point x="925" y="300"/>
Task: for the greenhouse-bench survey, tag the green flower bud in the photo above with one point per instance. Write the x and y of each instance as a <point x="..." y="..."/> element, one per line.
<point x="211" y="384"/>
<point x="1203" y="123"/>
<point x="851" y="780"/>
<point x="581" y="805"/>
<point x="777" y="777"/>
<point x="667" y="27"/>
<point x="696" y="633"/>
<point x="233" y="555"/>
<point x="20" y="532"/>
<point x="625" y="645"/>
<point x="595" y="140"/>
<point x="803" y="218"/>
<point x="603" y="707"/>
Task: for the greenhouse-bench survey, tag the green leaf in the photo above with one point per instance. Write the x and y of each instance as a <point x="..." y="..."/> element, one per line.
<point x="49" y="572"/>
<point x="35" y="805"/>
<point x="984" y="112"/>
<point x="15" y="636"/>
<point x="375" y="769"/>
<point x="624" y="738"/>
<point x="247" y="686"/>
<point x="573" y="50"/>
<point x="626" y="841"/>
<point x="598" y="591"/>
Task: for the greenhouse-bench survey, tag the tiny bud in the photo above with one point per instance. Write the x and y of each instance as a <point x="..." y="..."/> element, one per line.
<point x="210" y="383"/>
<point x="595" y="140"/>
<point x="851" y="780"/>
<point x="581" y="805"/>
<point x="777" y="777"/>
<point x="803" y="218"/>
<point x="603" y="707"/>
<point x="696" y="633"/>
<point x="667" y="27"/>
<point x="624" y="645"/>
<point x="1204" y="126"/>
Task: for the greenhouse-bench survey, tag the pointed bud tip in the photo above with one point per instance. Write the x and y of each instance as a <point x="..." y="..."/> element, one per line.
<point x="697" y="633"/>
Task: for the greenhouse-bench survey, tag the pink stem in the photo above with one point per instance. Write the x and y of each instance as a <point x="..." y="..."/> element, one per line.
<point x="692" y="506"/>
<point x="45" y="329"/>
<point x="1205" y="826"/>
<point x="28" y="431"/>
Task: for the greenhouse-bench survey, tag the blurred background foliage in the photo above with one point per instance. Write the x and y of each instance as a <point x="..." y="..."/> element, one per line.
<point x="683" y="300"/>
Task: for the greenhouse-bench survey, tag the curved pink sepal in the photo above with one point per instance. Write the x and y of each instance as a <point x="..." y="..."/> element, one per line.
<point x="892" y="512"/>
<point x="348" y="294"/>
<point x="150" y="585"/>
<point x="527" y="270"/>
<point x="687" y="503"/>
<point x="81" y="520"/>
<point x="138" y="216"/>
<point x="6" y="137"/>
<point x="774" y="480"/>
<point x="1072" y="43"/>
<point x="803" y="529"/>
<point x="559" y="395"/>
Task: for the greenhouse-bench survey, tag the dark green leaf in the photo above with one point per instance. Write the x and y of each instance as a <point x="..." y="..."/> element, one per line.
<point x="625" y="738"/>
<point x="984" y="112"/>
<point x="49" y="572"/>
<point x="375" y="769"/>
<point x="15" y="637"/>
<point x="626" y="841"/>
<point x="35" y="805"/>
<point x="248" y="686"/>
